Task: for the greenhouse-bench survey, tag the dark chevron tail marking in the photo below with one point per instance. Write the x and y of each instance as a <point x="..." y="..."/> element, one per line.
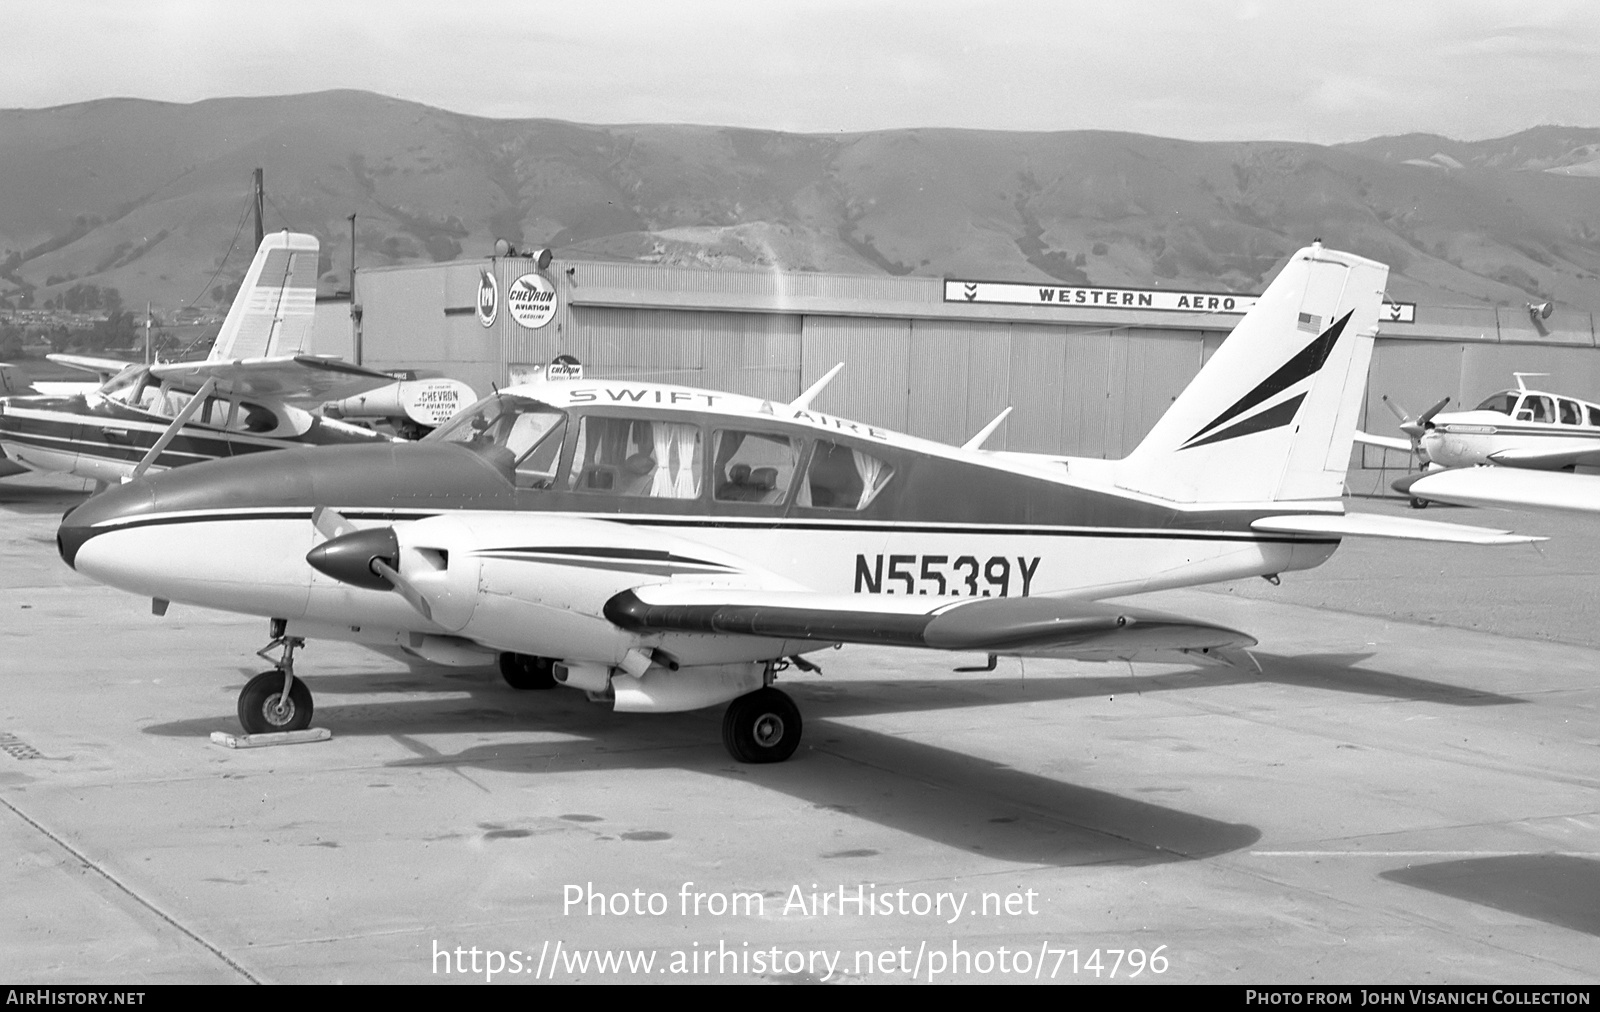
<point x="1307" y="362"/>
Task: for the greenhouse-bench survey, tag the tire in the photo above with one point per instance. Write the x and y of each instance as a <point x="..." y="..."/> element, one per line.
<point x="1419" y="504"/>
<point x="762" y="727"/>
<point x="524" y="671"/>
<point x="258" y="702"/>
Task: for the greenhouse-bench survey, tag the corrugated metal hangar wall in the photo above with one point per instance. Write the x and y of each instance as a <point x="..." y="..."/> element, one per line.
<point x="1088" y="381"/>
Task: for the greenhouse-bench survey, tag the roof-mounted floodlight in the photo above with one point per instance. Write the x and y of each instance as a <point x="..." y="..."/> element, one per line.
<point x="541" y="257"/>
<point x="1540" y="310"/>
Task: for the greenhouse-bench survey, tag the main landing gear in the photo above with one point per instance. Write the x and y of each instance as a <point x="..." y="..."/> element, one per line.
<point x="276" y="700"/>
<point x="761" y="727"/>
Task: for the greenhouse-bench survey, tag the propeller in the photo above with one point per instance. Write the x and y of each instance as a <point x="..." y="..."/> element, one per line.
<point x="1416" y="427"/>
<point x="367" y="558"/>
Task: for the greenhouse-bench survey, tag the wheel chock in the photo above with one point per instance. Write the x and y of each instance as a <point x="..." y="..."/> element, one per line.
<point x="227" y="740"/>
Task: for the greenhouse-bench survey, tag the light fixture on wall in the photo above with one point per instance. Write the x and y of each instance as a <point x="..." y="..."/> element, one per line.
<point x="1540" y="310"/>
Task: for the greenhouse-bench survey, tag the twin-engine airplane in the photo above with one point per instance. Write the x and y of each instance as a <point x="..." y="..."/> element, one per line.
<point x="236" y="402"/>
<point x="665" y="548"/>
<point x="1527" y="431"/>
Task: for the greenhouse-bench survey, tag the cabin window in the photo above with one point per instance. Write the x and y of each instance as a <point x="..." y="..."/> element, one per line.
<point x="1594" y="415"/>
<point x="636" y="458"/>
<point x="843" y="479"/>
<point x="1536" y="408"/>
<point x="753" y="467"/>
<point x="1571" y="414"/>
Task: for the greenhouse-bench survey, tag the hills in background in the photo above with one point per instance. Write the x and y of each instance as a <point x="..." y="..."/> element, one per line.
<point x="148" y="197"/>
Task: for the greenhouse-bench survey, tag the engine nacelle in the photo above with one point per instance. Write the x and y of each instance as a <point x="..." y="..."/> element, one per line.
<point x="664" y="691"/>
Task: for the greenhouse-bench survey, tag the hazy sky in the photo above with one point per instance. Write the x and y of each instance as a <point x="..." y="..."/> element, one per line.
<point x="1195" y="69"/>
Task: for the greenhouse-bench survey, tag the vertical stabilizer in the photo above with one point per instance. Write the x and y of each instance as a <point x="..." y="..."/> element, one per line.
<point x="1272" y="414"/>
<point x="276" y="304"/>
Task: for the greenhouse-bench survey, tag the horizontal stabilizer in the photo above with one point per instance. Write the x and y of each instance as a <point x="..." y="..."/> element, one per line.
<point x="1029" y="626"/>
<point x="1494" y="486"/>
<point x="1372" y="525"/>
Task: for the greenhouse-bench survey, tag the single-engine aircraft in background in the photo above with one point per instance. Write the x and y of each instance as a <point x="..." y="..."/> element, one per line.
<point x="665" y="548"/>
<point x="240" y="400"/>
<point x="1524" y="429"/>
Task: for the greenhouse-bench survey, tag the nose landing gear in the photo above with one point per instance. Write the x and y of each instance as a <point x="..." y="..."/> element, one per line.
<point x="276" y="700"/>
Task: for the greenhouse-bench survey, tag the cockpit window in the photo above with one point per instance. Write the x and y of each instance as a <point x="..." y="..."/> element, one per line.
<point x="520" y="435"/>
<point x="635" y="457"/>
<point x="1536" y="408"/>
<point x="843" y="479"/>
<point x="1504" y="402"/>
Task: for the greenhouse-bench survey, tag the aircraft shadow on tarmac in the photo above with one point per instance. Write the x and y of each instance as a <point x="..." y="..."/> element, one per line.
<point x="957" y="800"/>
<point x="1559" y="889"/>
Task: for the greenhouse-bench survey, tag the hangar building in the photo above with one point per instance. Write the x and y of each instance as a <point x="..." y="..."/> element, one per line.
<point x="1087" y="370"/>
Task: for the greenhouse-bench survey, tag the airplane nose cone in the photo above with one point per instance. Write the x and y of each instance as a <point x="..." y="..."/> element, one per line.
<point x="348" y="558"/>
<point x="99" y="513"/>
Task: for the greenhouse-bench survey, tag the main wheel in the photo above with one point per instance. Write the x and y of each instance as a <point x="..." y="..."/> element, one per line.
<point x="762" y="727"/>
<point x="258" y="704"/>
<point x="523" y="671"/>
<point x="1419" y="504"/>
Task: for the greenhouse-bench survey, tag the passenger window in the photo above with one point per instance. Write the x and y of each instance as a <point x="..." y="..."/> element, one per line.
<point x="752" y="466"/>
<point x="1570" y="412"/>
<point x="636" y="458"/>
<point x="1594" y="415"/>
<point x="843" y="479"/>
<point x="1537" y="409"/>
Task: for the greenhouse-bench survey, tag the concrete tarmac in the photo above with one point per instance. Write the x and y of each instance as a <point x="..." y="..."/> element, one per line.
<point x="1406" y="793"/>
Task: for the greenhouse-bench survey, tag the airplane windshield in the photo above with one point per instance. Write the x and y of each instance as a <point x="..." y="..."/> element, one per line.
<point x="1504" y="402"/>
<point x="518" y="433"/>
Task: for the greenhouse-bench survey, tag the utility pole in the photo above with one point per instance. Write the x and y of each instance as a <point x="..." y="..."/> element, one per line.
<point x="355" y="310"/>
<point x="147" y="352"/>
<point x="260" y="198"/>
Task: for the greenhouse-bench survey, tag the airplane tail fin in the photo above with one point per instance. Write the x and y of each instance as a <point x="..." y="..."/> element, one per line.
<point x="1272" y="414"/>
<point x="276" y="304"/>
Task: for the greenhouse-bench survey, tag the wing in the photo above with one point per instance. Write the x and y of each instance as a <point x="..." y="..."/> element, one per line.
<point x="105" y="368"/>
<point x="1026" y="626"/>
<point x="288" y="377"/>
<point x="1585" y="453"/>
<point x="1505" y="486"/>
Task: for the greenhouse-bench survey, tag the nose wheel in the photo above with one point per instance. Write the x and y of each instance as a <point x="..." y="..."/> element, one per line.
<point x="761" y="727"/>
<point x="276" y="700"/>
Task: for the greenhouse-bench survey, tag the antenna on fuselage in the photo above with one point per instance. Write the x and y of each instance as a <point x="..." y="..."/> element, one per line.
<point x="984" y="433"/>
<point x="1523" y="386"/>
<point x="804" y="400"/>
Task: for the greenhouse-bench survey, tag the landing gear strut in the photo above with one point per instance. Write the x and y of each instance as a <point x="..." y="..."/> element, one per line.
<point x="761" y="727"/>
<point x="276" y="700"/>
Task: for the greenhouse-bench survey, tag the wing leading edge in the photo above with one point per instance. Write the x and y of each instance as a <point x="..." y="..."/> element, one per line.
<point x="1030" y="626"/>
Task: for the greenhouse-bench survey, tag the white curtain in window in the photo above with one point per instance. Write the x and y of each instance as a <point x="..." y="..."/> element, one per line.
<point x="661" y="483"/>
<point x="871" y="471"/>
<point x="686" y="478"/>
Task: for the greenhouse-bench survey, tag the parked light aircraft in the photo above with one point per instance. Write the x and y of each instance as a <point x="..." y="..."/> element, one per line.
<point x="235" y="402"/>
<point x="665" y="548"/>
<point x="1521" y="428"/>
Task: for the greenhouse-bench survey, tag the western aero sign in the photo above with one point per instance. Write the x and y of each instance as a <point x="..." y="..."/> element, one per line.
<point x="1160" y="300"/>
